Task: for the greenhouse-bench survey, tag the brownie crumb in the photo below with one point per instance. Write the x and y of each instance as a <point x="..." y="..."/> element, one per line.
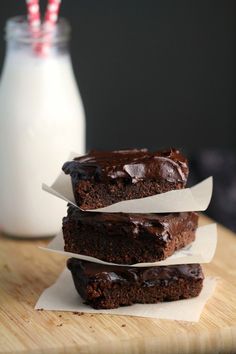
<point x="6" y="267"/>
<point x="39" y="309"/>
<point x="59" y="315"/>
<point x="124" y="325"/>
<point x="60" y="325"/>
<point x="78" y="313"/>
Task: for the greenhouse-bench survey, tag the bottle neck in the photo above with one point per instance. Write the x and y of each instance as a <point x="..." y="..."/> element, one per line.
<point x="41" y="42"/>
<point x="37" y="49"/>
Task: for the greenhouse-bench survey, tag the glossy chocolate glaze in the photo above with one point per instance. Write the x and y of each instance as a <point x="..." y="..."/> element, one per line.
<point x="130" y="165"/>
<point x="149" y="276"/>
<point x="163" y="226"/>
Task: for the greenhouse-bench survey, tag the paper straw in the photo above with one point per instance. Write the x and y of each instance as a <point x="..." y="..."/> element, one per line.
<point x="52" y="12"/>
<point x="49" y="23"/>
<point x="33" y="14"/>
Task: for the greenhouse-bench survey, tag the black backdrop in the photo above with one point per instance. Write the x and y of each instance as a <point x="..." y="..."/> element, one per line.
<point x="152" y="73"/>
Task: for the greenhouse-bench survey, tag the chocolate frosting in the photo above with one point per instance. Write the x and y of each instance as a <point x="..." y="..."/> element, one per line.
<point x="163" y="226"/>
<point x="131" y="165"/>
<point x="149" y="276"/>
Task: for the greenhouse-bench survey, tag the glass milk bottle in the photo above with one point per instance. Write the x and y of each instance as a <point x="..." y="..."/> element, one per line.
<point x="41" y="122"/>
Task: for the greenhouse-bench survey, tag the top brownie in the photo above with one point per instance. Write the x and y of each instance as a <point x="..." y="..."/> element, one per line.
<point x="103" y="178"/>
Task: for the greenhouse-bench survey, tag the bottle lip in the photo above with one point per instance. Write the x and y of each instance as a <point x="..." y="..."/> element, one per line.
<point x="17" y="28"/>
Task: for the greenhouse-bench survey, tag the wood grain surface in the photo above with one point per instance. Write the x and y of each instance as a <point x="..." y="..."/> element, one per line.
<point x="25" y="271"/>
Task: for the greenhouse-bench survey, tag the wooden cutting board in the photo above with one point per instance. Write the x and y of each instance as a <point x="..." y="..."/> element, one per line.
<point x="25" y="271"/>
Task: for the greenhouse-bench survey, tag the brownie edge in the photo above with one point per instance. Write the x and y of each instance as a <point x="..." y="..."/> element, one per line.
<point x="100" y="178"/>
<point x="107" y="287"/>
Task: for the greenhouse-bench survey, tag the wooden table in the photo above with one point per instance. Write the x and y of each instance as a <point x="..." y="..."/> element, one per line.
<point x="25" y="271"/>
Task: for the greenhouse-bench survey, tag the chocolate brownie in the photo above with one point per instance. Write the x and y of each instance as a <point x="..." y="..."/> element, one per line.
<point x="107" y="287"/>
<point x="103" y="178"/>
<point x="127" y="238"/>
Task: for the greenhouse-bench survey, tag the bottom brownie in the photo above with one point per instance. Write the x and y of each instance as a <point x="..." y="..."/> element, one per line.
<point x="107" y="287"/>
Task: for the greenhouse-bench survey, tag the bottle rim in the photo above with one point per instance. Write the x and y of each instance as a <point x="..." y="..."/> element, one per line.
<point x="18" y="29"/>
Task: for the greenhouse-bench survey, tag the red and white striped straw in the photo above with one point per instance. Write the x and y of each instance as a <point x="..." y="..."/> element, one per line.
<point x="49" y="23"/>
<point x="52" y="12"/>
<point x="33" y="14"/>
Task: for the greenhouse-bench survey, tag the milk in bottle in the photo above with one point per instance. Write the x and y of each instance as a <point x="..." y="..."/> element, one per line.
<point x="41" y="122"/>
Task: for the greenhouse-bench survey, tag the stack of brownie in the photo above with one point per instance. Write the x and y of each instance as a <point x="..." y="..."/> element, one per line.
<point x="100" y="179"/>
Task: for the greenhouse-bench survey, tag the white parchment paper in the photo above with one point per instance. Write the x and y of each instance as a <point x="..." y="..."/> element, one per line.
<point x="62" y="296"/>
<point x="196" y="198"/>
<point x="201" y="250"/>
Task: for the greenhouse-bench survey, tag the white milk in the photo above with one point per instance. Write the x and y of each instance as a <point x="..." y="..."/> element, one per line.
<point x="41" y="122"/>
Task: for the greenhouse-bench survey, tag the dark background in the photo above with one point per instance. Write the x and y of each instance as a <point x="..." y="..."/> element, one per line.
<point x="158" y="73"/>
<point x="152" y="73"/>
